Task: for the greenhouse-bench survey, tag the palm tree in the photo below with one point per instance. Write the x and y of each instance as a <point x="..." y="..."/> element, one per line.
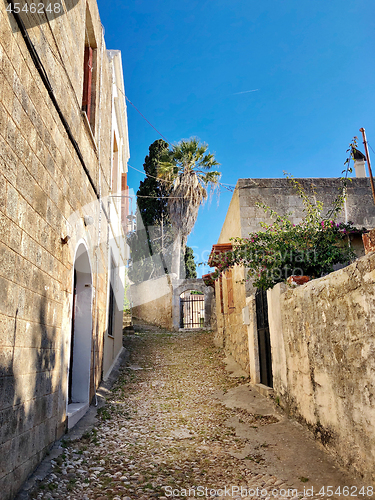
<point x="188" y="167"/>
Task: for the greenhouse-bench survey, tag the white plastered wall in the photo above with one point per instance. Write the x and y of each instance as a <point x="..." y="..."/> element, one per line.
<point x="118" y="249"/>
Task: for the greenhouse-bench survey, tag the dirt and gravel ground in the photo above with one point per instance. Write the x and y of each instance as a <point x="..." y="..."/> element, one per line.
<point x="171" y="428"/>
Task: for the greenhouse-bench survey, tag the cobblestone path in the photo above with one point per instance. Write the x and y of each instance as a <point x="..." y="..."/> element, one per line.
<point x="162" y="432"/>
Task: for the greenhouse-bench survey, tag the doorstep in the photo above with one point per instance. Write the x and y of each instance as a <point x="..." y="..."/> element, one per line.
<point x="264" y="390"/>
<point x="75" y="412"/>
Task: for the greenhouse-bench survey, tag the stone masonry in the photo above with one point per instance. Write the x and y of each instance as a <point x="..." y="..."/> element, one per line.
<point x="176" y="425"/>
<point x="323" y="344"/>
<point x="244" y="217"/>
<point x="42" y="183"/>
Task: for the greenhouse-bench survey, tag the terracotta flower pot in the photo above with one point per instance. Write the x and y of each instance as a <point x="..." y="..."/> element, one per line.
<point x="298" y="280"/>
<point x="369" y="241"/>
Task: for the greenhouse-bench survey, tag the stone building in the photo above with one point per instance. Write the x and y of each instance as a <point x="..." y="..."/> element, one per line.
<point x="63" y="154"/>
<point x="322" y="337"/>
<point x="311" y="346"/>
<point x="233" y="297"/>
<point x="118" y="206"/>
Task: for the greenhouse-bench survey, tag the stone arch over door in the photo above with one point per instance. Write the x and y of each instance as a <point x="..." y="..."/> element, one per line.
<point x="180" y="286"/>
<point x="81" y="337"/>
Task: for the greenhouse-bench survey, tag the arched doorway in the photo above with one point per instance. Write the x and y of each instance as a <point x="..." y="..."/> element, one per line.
<point x="81" y="338"/>
<point x="191" y="291"/>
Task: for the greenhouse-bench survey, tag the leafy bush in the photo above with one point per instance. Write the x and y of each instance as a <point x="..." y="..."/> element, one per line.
<point x="282" y="249"/>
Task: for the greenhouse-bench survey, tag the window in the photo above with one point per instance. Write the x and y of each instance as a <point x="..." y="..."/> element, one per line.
<point x="87" y="83"/>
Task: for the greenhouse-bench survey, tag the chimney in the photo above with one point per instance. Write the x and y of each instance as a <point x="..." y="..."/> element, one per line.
<point x="360" y="170"/>
<point x="359" y="163"/>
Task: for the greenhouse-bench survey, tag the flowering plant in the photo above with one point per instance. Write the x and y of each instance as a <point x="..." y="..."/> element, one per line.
<point x="282" y="249"/>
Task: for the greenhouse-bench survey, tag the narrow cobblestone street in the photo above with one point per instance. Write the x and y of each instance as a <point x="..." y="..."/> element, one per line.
<point x="171" y="423"/>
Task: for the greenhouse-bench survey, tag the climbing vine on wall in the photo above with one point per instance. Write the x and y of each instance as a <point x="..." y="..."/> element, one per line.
<point x="282" y="249"/>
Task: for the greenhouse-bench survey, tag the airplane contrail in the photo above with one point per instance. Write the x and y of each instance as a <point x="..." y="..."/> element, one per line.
<point x="246" y="92"/>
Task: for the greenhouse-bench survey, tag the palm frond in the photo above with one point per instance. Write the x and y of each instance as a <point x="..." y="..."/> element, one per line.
<point x="166" y="171"/>
<point x="188" y="165"/>
<point x="211" y="177"/>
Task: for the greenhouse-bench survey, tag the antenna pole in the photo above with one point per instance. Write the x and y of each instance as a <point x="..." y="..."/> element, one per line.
<point x="368" y="162"/>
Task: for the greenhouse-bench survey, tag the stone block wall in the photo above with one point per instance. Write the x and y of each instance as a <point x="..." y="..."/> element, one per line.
<point x="323" y="359"/>
<point x="42" y="186"/>
<point x="281" y="196"/>
<point x="231" y="333"/>
<point x="244" y="217"/>
<point x="218" y="337"/>
<point x="151" y="301"/>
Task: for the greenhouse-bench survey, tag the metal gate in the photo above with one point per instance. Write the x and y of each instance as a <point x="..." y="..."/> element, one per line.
<point x="191" y="311"/>
<point x="264" y="343"/>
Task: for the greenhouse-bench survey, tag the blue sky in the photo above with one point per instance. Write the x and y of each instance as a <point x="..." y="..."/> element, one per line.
<point x="188" y="67"/>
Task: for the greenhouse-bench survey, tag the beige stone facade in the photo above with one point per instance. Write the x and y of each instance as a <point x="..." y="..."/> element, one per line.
<point x="230" y="295"/>
<point x="152" y="301"/>
<point x="55" y="171"/>
<point x="118" y="202"/>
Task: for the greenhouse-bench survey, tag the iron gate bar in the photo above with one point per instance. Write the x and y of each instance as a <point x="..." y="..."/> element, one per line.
<point x="264" y="342"/>
<point x="190" y="311"/>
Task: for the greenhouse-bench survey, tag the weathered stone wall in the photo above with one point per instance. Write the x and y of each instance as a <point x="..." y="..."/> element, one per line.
<point x="219" y="337"/>
<point x="235" y="332"/>
<point x="213" y="325"/>
<point x="279" y="364"/>
<point x="244" y="217"/>
<point x="42" y="183"/>
<point x="231" y="333"/>
<point x="323" y="359"/>
<point x="152" y="302"/>
<point x="281" y="196"/>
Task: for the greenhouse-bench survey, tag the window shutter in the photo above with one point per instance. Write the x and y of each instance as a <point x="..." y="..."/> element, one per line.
<point x="87" y="82"/>
<point x="230" y="291"/>
<point x="221" y="294"/>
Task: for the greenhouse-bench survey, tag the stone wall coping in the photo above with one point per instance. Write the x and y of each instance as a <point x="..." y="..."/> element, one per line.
<point x="283" y="182"/>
